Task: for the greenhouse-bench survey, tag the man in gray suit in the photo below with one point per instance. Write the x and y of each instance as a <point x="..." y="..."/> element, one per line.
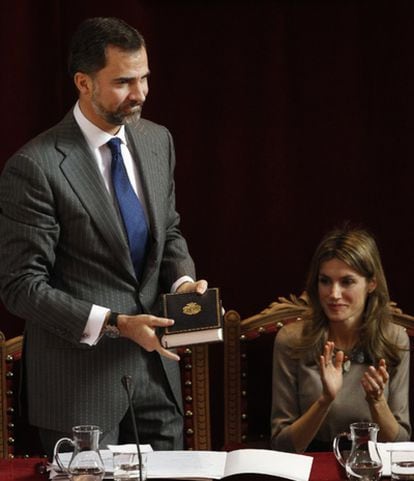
<point x="67" y="261"/>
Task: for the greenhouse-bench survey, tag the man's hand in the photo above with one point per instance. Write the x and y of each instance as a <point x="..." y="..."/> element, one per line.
<point x="199" y="286"/>
<point x="141" y="330"/>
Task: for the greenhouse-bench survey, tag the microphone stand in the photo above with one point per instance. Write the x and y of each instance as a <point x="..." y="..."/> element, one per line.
<point x="126" y="382"/>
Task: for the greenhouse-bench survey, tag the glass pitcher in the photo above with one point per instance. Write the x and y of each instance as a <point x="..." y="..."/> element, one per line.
<point x="363" y="462"/>
<point x="86" y="463"/>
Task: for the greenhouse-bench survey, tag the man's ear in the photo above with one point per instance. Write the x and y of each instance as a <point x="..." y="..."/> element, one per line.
<point x="83" y="83"/>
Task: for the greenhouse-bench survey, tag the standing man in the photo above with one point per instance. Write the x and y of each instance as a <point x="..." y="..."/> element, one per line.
<point x="89" y="238"/>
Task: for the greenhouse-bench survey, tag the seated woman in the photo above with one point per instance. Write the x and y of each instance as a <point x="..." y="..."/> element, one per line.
<point x="348" y="362"/>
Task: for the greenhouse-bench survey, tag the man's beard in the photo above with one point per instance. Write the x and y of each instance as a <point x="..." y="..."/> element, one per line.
<point x="119" y="116"/>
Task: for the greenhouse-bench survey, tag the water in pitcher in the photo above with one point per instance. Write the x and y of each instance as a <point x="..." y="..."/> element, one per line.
<point x="364" y="471"/>
<point x="86" y="474"/>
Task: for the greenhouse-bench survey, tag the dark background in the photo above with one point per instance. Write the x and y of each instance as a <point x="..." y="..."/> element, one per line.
<point x="288" y="117"/>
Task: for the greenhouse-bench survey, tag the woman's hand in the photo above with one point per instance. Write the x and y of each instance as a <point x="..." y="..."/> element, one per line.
<point x="374" y="382"/>
<point x="331" y="371"/>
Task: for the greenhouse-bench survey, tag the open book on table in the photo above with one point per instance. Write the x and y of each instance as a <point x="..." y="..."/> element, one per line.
<point x="210" y="464"/>
<point x="218" y="464"/>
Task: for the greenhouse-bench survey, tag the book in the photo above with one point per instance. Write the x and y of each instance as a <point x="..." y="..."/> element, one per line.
<point x="205" y="465"/>
<point x="198" y="318"/>
<point x="219" y="464"/>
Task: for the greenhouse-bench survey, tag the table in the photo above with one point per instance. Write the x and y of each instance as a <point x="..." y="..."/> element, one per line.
<point x="324" y="468"/>
<point x="22" y="469"/>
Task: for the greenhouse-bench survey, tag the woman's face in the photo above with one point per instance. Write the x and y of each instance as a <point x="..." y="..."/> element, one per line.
<point x="343" y="292"/>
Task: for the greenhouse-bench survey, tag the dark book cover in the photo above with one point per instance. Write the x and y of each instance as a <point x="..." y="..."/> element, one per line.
<point x="192" y="311"/>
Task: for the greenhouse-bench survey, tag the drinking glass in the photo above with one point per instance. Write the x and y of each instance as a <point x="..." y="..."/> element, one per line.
<point x="402" y="465"/>
<point x="127" y="467"/>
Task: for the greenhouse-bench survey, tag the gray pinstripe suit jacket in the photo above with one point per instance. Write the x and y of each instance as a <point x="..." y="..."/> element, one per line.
<point x="62" y="249"/>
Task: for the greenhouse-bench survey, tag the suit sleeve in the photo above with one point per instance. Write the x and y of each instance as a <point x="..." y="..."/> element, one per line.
<point x="29" y="235"/>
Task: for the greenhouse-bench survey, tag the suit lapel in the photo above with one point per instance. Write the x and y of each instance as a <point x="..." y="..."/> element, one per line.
<point x="145" y="153"/>
<point x="82" y="173"/>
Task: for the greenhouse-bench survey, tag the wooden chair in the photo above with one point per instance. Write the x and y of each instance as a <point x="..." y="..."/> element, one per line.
<point x="195" y="381"/>
<point x="10" y="417"/>
<point x="18" y="438"/>
<point x="248" y="347"/>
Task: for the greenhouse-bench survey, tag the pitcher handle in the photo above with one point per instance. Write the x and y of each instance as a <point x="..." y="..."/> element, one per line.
<point x="336" y="449"/>
<point x="56" y="452"/>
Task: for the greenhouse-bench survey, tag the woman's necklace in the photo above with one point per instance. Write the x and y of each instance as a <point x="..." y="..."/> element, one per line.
<point x="356" y="354"/>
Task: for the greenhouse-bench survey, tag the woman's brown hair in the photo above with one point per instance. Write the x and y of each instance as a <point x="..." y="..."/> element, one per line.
<point x="358" y="249"/>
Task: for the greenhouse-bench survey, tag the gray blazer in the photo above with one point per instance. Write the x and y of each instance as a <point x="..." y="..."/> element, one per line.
<point x="63" y="248"/>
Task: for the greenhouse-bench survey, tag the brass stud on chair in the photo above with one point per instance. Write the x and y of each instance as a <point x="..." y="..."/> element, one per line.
<point x="279" y="324"/>
<point x="244" y="416"/>
<point x="10" y="410"/>
<point x="9" y="374"/>
<point x="188" y="351"/>
<point x="189" y="399"/>
<point x="189" y="414"/>
<point x="188" y="367"/>
<point x="189" y="431"/>
<point x="9" y="393"/>
<point x="10" y="441"/>
<point x="9" y="358"/>
<point x="188" y="383"/>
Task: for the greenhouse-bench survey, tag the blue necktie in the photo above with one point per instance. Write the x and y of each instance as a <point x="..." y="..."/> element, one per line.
<point x="130" y="208"/>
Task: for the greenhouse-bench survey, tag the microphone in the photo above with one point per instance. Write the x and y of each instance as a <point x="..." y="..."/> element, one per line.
<point x="126" y="382"/>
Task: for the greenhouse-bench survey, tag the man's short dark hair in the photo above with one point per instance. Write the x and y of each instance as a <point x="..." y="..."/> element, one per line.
<point x="87" y="52"/>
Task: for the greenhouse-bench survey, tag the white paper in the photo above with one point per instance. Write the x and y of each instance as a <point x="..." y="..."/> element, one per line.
<point x="275" y="463"/>
<point x="129" y="448"/>
<point x="186" y="464"/>
<point x="219" y="464"/>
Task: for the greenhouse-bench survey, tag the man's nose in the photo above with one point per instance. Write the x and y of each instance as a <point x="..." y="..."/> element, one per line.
<point x="138" y="92"/>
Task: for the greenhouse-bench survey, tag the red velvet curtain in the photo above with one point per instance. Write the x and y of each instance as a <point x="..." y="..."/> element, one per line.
<point x="288" y="117"/>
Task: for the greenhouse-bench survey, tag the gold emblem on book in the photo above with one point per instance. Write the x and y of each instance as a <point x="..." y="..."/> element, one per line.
<point x="191" y="309"/>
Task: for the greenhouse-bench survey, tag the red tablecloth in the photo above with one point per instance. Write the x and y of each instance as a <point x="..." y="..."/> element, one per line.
<point x="22" y="469"/>
<point x="324" y="468"/>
